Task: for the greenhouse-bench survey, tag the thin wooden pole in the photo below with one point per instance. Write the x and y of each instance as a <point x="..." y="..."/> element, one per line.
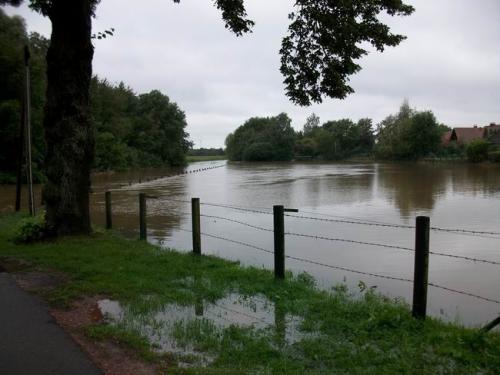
<point x="279" y="242"/>
<point x="109" y="218"/>
<point x="27" y="118"/>
<point x="421" y="271"/>
<point x="488" y="327"/>
<point x="20" y="156"/>
<point x="195" y="213"/>
<point x="143" y="235"/>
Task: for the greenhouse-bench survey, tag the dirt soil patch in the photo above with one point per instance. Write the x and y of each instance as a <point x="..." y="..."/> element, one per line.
<point x="111" y="357"/>
<point x="8" y="264"/>
<point x="36" y="281"/>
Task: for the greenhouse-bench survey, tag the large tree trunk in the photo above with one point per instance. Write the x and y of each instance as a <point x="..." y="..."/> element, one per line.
<point x="68" y="131"/>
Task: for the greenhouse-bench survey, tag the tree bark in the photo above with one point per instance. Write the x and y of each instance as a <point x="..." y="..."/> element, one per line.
<point x="67" y="124"/>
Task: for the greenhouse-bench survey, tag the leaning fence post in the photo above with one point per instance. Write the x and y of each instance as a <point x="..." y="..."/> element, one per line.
<point x="142" y="217"/>
<point x="195" y="213"/>
<point x="421" y="271"/>
<point x="488" y="327"/>
<point x="109" y="222"/>
<point x="279" y="242"/>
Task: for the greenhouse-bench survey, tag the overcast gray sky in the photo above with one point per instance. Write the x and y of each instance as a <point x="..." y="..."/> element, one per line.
<point x="449" y="64"/>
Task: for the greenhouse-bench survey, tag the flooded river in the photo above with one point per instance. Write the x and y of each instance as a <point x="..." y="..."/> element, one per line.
<point x="352" y="200"/>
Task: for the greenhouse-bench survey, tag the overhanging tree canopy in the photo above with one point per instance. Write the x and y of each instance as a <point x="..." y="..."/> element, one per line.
<point x="317" y="58"/>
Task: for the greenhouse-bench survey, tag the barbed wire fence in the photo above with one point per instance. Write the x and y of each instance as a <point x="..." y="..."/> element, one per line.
<point x="420" y="290"/>
<point x="146" y="180"/>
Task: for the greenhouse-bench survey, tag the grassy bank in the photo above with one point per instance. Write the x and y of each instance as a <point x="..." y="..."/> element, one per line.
<point x="194" y="159"/>
<point x="311" y="331"/>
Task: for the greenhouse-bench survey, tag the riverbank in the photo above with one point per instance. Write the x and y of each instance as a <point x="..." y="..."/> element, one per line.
<point x="261" y="325"/>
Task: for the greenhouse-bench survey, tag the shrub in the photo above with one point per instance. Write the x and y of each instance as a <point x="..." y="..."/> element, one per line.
<point x="494" y="156"/>
<point x="31" y="229"/>
<point x="477" y="150"/>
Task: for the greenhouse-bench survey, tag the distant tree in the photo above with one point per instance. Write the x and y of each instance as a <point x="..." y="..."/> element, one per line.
<point x="318" y="57"/>
<point x="145" y="131"/>
<point x="365" y="136"/>
<point x="408" y="135"/>
<point x="312" y="123"/>
<point x="306" y="147"/>
<point x="338" y="140"/>
<point x="262" y="139"/>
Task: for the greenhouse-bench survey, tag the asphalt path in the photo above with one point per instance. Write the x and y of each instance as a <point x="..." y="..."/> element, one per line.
<point x="30" y="340"/>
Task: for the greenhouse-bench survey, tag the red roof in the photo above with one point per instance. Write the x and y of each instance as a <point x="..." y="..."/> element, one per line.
<point x="467" y="135"/>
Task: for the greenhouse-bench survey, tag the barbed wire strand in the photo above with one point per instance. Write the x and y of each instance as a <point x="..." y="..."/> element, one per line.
<point x="472" y="259"/>
<point x="229" y="240"/>
<point x="147" y="180"/>
<point x="303" y="260"/>
<point x="437" y="253"/>
<point x="464" y="293"/>
<point x="375" y="224"/>
<point x="236" y="208"/>
<point x="238" y="222"/>
<point x="387" y="225"/>
<point x="355" y="221"/>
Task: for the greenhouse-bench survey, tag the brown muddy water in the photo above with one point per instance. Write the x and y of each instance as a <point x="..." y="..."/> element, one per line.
<point x="459" y="196"/>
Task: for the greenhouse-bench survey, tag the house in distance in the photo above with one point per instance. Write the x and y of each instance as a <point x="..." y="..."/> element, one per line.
<point x="464" y="136"/>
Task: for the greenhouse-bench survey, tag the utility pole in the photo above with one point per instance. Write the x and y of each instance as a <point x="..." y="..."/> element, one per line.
<point x="27" y="123"/>
<point x="20" y="157"/>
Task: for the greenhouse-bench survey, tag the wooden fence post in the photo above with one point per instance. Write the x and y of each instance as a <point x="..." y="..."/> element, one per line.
<point x="109" y="221"/>
<point x="142" y="217"/>
<point x="195" y="213"/>
<point x="421" y="271"/>
<point x="488" y="327"/>
<point x="279" y="242"/>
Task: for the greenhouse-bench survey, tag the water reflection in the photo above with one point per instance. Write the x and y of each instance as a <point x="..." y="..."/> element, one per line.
<point x="478" y="179"/>
<point x="177" y="329"/>
<point x="413" y="187"/>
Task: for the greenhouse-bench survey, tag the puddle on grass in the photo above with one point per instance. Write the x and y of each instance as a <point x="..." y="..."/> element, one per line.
<point x="167" y="327"/>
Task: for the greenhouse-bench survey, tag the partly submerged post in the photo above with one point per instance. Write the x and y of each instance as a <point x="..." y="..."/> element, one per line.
<point x="195" y="213"/>
<point x="109" y="221"/>
<point x="421" y="271"/>
<point x="142" y="217"/>
<point x="279" y="242"/>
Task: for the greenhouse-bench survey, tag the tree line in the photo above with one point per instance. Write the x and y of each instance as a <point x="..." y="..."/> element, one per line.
<point x="406" y="135"/>
<point x="130" y="130"/>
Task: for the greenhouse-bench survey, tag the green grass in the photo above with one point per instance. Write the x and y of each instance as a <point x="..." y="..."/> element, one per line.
<point x="341" y="334"/>
<point x="194" y="159"/>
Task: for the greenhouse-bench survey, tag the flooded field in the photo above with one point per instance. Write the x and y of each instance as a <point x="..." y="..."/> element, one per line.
<point x="344" y="206"/>
<point x="176" y="329"/>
